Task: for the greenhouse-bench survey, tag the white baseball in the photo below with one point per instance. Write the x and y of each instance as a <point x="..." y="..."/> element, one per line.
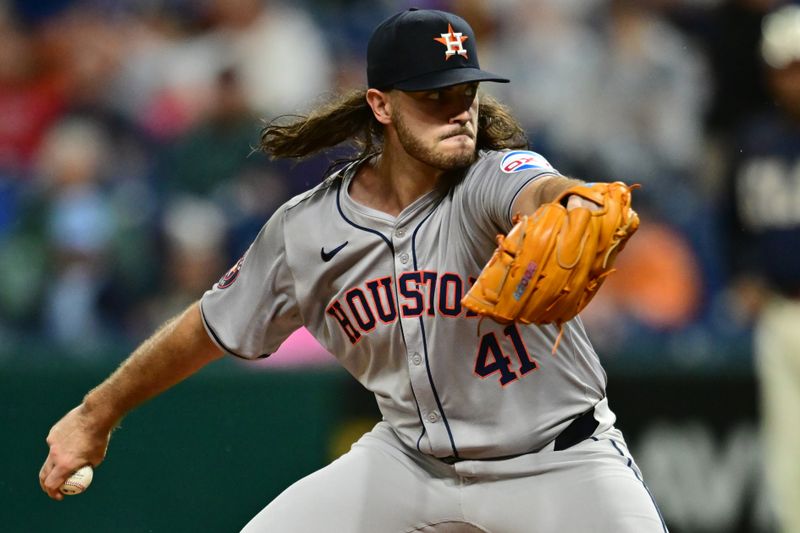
<point x="78" y="482"/>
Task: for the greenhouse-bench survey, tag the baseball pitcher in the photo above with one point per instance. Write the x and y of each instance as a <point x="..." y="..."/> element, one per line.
<point x="444" y="267"/>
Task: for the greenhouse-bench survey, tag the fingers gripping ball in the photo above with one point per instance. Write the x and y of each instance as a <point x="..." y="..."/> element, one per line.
<point x="551" y="263"/>
<point x="78" y="482"/>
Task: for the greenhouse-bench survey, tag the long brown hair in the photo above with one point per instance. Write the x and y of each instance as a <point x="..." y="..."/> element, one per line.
<point x="349" y="119"/>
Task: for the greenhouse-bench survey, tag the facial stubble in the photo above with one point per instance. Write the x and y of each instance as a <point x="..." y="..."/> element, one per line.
<point x="443" y="161"/>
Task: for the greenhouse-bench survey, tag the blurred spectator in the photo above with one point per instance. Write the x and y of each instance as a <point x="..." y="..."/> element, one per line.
<point x="169" y="80"/>
<point x="79" y="227"/>
<point x="278" y="50"/>
<point x="23" y="269"/>
<point x="194" y="231"/>
<point x="215" y="159"/>
<point x="611" y="91"/>
<point x="607" y="89"/>
<point x="764" y="230"/>
<point x="86" y="44"/>
<point x="646" y="291"/>
<point x="85" y="48"/>
<point x="216" y="149"/>
<point x="547" y="51"/>
<point x="31" y="97"/>
<point x="738" y="88"/>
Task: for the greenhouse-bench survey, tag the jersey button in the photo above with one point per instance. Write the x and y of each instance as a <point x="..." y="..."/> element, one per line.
<point x="400" y="232"/>
<point x="416" y="359"/>
<point x="404" y="258"/>
<point x="433" y="417"/>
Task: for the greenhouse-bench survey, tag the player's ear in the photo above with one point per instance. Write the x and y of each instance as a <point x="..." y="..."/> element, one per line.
<point x="380" y="104"/>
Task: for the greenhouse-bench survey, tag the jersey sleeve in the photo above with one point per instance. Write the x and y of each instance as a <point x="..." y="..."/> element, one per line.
<point x="253" y="308"/>
<point x="495" y="181"/>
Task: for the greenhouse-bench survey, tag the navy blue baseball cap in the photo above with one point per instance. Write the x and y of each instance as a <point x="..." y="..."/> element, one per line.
<point x="424" y="49"/>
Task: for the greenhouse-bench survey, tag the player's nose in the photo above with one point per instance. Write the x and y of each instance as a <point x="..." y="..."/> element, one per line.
<point x="461" y="109"/>
<point x="461" y="117"/>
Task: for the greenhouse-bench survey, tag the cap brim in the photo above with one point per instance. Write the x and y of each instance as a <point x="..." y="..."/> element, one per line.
<point x="447" y="78"/>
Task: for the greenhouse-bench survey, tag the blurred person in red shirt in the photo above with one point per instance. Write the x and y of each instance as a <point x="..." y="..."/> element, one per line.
<point x="30" y="98"/>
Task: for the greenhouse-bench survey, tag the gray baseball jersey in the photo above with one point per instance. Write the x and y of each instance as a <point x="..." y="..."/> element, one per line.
<point x="383" y="294"/>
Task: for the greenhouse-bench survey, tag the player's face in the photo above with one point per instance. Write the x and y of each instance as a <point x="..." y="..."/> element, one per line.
<point x="438" y="127"/>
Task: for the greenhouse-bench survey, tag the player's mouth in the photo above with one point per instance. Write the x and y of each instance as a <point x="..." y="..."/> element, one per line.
<point x="464" y="132"/>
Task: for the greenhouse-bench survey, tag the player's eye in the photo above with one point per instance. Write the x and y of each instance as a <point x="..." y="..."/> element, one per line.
<point x="433" y="95"/>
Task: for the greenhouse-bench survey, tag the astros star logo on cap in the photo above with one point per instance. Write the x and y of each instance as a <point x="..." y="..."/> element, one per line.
<point x="452" y="40"/>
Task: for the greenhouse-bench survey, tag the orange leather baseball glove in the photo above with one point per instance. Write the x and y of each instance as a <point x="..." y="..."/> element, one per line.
<point x="551" y="263"/>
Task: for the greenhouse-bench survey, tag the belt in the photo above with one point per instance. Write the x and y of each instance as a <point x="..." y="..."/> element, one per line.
<point x="581" y="428"/>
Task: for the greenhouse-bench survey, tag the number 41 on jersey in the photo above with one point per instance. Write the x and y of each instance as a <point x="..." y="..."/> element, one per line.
<point x="491" y="358"/>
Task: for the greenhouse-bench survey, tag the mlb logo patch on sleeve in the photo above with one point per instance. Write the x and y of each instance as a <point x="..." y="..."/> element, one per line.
<point x="519" y="160"/>
<point x="230" y="276"/>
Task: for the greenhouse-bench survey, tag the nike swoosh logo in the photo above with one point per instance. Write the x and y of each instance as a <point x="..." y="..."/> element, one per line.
<point x="327" y="256"/>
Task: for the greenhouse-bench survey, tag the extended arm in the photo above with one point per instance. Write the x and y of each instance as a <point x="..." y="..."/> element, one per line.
<point x="540" y="191"/>
<point x="176" y="351"/>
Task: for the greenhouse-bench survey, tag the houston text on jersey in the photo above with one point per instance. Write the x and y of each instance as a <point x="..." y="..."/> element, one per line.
<point x="382" y="300"/>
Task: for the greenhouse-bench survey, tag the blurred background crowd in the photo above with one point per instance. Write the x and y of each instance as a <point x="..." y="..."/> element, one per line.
<point x="129" y="179"/>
